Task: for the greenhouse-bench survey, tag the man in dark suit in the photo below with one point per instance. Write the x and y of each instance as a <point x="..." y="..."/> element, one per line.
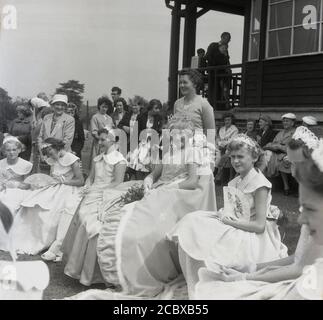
<point x="214" y="58"/>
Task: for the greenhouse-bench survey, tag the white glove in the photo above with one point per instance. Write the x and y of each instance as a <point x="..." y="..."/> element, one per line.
<point x="148" y="183"/>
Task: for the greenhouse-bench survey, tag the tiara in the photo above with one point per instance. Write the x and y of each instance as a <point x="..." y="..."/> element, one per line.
<point x="45" y="145"/>
<point x="317" y="155"/>
<point x="307" y="136"/>
<point x="243" y="138"/>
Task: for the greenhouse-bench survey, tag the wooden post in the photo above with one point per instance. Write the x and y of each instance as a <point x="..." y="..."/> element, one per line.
<point x="245" y="53"/>
<point x="87" y="115"/>
<point x="262" y="50"/>
<point x="174" y="54"/>
<point x="189" y="34"/>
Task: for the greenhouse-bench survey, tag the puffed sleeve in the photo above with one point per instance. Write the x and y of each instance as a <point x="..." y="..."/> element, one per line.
<point x="258" y="182"/>
<point x="114" y="158"/>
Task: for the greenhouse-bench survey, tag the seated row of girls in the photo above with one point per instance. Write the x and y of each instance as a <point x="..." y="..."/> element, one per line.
<point x="299" y="276"/>
<point x="126" y="245"/>
<point x="45" y="212"/>
<point x="146" y="268"/>
<point x="238" y="238"/>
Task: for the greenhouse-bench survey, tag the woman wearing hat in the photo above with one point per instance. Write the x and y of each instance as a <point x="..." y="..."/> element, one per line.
<point x="58" y="125"/>
<point x="266" y="134"/>
<point x="309" y="121"/>
<point x="278" y="163"/>
<point x="21" y="128"/>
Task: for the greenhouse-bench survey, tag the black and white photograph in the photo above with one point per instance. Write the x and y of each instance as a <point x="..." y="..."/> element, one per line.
<point x="161" y="150"/>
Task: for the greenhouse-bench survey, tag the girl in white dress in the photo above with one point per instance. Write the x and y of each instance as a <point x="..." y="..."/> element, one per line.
<point x="103" y="187"/>
<point x="13" y="171"/>
<point x="239" y="236"/>
<point x="305" y="152"/>
<point x="46" y="213"/>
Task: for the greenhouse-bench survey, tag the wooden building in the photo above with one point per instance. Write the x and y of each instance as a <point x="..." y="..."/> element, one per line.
<point x="282" y="59"/>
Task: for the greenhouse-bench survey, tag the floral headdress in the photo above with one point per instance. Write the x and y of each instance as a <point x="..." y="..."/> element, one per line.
<point x="307" y="136"/>
<point x="243" y="138"/>
<point x="45" y="145"/>
<point x="317" y="155"/>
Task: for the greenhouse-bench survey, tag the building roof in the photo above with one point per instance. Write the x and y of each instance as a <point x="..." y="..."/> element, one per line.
<point x="228" y="6"/>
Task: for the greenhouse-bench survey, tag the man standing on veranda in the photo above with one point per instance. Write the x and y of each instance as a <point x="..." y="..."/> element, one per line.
<point x="214" y="58"/>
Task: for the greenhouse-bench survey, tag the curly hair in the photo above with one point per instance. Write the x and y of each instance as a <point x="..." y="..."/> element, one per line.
<point x="195" y="76"/>
<point x="106" y="101"/>
<point x="24" y="110"/>
<point x="123" y="101"/>
<point x="154" y="102"/>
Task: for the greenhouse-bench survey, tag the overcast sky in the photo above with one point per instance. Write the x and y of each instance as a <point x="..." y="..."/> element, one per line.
<point x="101" y="43"/>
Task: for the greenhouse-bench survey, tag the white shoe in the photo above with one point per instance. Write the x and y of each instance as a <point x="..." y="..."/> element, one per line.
<point x="48" y="256"/>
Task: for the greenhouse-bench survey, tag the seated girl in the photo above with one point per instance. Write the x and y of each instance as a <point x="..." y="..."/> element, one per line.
<point x="46" y="213"/>
<point x="13" y="171"/>
<point x="283" y="279"/>
<point x="103" y="188"/>
<point x="238" y="236"/>
<point x="133" y="251"/>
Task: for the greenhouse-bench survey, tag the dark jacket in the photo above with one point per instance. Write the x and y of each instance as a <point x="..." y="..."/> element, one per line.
<point x="142" y="123"/>
<point x="214" y="56"/>
<point x="79" y="138"/>
<point x="125" y="121"/>
<point x="267" y="137"/>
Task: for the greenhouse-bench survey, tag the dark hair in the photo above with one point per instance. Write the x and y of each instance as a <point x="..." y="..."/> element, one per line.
<point x="103" y="130"/>
<point x="200" y="50"/>
<point x="253" y="122"/>
<point x="106" y="101"/>
<point x="56" y="144"/>
<point x="107" y="132"/>
<point x="124" y="102"/>
<point x="267" y="119"/>
<point x="153" y="103"/>
<point x="225" y="34"/>
<point x="24" y="110"/>
<point x="228" y="115"/>
<point x="116" y="89"/>
<point x="194" y="75"/>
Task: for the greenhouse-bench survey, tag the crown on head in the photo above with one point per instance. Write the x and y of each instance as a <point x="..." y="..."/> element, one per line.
<point x="243" y="138"/>
<point x="317" y="155"/>
<point x="307" y="136"/>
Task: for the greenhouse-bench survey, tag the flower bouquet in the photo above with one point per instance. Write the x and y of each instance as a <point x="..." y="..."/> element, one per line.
<point x="134" y="193"/>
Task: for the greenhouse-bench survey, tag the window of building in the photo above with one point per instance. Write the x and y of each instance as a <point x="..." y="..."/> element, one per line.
<point x="294" y="27"/>
<point x="255" y="30"/>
